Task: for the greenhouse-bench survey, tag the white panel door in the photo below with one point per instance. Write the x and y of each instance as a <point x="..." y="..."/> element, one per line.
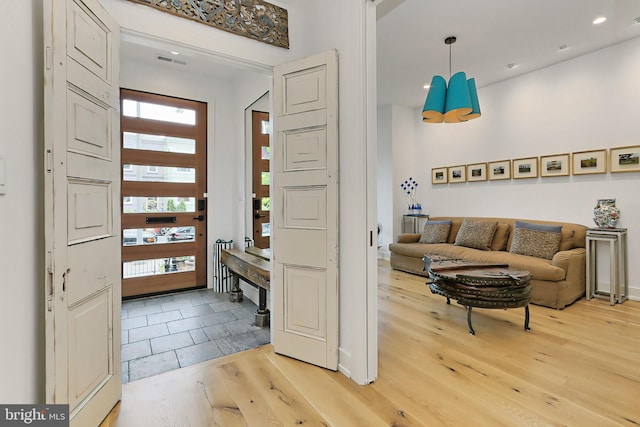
<point x="304" y="212"/>
<point x="82" y="209"/>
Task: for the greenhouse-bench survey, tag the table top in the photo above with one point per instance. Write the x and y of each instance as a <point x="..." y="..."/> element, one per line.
<point x="606" y="230"/>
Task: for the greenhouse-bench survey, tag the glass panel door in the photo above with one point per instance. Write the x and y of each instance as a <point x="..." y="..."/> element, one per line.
<point x="261" y="179"/>
<point x="163" y="184"/>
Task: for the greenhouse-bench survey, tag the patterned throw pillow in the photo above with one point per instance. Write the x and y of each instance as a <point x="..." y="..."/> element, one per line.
<point x="435" y="232"/>
<point x="476" y="234"/>
<point x="540" y="241"/>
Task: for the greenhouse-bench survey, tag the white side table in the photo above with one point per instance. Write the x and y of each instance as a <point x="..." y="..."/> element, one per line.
<point x="411" y="223"/>
<point x="617" y="239"/>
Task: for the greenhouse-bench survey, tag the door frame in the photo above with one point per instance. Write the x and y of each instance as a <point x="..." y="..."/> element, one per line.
<point x="361" y="362"/>
<point x="263" y="103"/>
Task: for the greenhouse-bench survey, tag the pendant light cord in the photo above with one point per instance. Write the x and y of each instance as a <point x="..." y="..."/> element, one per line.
<point x="449" y="61"/>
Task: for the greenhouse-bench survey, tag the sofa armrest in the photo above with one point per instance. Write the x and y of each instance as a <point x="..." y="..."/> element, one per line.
<point x="408" y="238"/>
<point x="572" y="261"/>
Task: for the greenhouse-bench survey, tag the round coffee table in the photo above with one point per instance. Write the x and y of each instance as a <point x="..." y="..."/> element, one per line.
<point x="481" y="287"/>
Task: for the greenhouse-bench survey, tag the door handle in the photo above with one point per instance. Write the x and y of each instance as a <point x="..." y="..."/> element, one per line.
<point x="258" y="215"/>
<point x="199" y="218"/>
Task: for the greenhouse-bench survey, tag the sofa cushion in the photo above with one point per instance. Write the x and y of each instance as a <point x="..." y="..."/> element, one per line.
<point x="499" y="242"/>
<point x="567" y="242"/>
<point x="476" y="234"/>
<point x="435" y="232"/>
<point x="455" y="227"/>
<point x="537" y="240"/>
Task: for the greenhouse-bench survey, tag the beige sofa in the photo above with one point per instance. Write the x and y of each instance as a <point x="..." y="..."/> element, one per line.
<point x="556" y="282"/>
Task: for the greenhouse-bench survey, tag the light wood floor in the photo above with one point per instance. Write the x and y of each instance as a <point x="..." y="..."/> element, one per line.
<point x="577" y="367"/>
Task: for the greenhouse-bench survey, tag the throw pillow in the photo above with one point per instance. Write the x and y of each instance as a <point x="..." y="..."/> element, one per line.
<point x="476" y="234"/>
<point x="435" y="232"/>
<point x="537" y="240"/>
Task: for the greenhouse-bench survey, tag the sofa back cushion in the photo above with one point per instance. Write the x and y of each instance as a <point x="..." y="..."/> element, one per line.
<point x="501" y="237"/>
<point x="476" y="234"/>
<point x="435" y="232"/>
<point x="537" y="240"/>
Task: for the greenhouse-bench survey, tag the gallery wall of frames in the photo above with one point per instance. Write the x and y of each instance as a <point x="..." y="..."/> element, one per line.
<point x="613" y="160"/>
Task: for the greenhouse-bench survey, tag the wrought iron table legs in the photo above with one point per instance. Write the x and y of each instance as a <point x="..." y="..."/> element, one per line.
<point x="473" y="332"/>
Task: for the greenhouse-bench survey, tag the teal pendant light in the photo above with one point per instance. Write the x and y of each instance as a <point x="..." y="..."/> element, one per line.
<point x="453" y="104"/>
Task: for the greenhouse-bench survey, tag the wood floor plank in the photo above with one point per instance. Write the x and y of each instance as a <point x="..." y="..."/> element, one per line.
<point x="576" y="367"/>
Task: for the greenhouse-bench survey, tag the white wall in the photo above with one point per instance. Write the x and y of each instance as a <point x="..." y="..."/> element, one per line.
<point x="21" y="208"/>
<point x="586" y="103"/>
<point x="385" y="180"/>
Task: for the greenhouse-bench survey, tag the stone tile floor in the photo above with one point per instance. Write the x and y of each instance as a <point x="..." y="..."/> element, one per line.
<point x="167" y="332"/>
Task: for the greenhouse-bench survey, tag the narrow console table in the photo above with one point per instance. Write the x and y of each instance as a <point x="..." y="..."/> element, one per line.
<point x="411" y="223"/>
<point x="618" y="283"/>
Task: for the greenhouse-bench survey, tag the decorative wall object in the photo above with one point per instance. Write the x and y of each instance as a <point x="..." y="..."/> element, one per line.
<point x="500" y="169"/>
<point x="255" y="19"/>
<point x="625" y="159"/>
<point x="606" y="214"/>
<point x="439" y="176"/>
<point x="477" y="172"/>
<point x="555" y="165"/>
<point x="525" y="168"/>
<point x="589" y="162"/>
<point x="457" y="174"/>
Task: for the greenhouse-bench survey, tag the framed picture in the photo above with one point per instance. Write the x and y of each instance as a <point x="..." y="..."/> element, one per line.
<point x="555" y="165"/>
<point x="625" y="159"/>
<point x="525" y="168"/>
<point x="439" y="176"/>
<point x="589" y="162"/>
<point x="477" y="172"/>
<point x="457" y="174"/>
<point x="500" y="169"/>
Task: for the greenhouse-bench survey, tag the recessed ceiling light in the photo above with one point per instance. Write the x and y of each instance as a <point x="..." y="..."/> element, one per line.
<point x="512" y="65"/>
<point x="173" y="52"/>
<point x="563" y="47"/>
<point x="426" y="86"/>
<point x="599" y="20"/>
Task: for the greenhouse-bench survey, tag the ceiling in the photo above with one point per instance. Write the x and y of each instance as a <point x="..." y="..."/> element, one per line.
<point x="490" y="35"/>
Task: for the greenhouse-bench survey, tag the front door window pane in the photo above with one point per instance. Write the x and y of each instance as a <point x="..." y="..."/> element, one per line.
<point x="265" y="153"/>
<point x="265" y="127"/>
<point x="265" y="204"/>
<point x="158" y="174"/>
<point x="153" y="267"/>
<point x="266" y="229"/>
<point x="147" y="110"/>
<point x="158" y="204"/>
<point x="167" y="144"/>
<point x="265" y="178"/>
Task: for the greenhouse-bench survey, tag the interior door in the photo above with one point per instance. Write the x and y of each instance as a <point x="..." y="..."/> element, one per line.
<point x="261" y="178"/>
<point x="82" y="209"/>
<point x="164" y="184"/>
<point x="305" y="210"/>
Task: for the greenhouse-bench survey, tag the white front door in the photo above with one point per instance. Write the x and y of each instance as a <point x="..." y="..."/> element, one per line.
<point x="304" y="212"/>
<point x="82" y="209"/>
